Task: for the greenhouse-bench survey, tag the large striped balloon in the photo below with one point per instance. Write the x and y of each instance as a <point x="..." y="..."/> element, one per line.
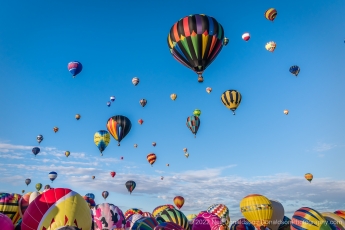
<point x="195" y="41"/>
<point x="340" y="213"/>
<point x="56" y="208"/>
<point x="132" y="219"/>
<point x="308" y="218"/>
<point x="175" y="216"/>
<point x="119" y="126"/>
<point x="145" y="223"/>
<point x="132" y="211"/>
<point x="161" y="208"/>
<point x="333" y="218"/>
<point x="168" y="226"/>
<point x="9" y="205"/>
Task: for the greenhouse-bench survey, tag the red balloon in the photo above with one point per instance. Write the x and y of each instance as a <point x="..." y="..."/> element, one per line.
<point x="141" y="121"/>
<point x="112" y="174"/>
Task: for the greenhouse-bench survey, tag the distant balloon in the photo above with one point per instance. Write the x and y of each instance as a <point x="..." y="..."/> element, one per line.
<point x="173" y="96"/>
<point x="108" y="103"/>
<point x="271" y="14"/>
<point x="135" y="145"/>
<point x="294" y="70"/>
<point x="27" y="181"/>
<point x="74" y="68"/>
<point x="246" y="36"/>
<point x="140" y="121"/>
<point x="91" y="195"/>
<point x="39" y="138"/>
<point x="119" y="126"/>
<point x="286" y="112"/>
<point x="162" y="178"/>
<point x="143" y="102"/>
<point x="55" y="129"/>
<point x="179" y="201"/>
<point x="186" y="155"/>
<point x="185" y="150"/>
<point x="52" y="176"/>
<point x="193" y="123"/>
<point x="130" y="185"/>
<point x="271" y="46"/>
<point x="208" y="89"/>
<point x="121" y="158"/>
<point x="231" y="99"/>
<point x="112" y="98"/>
<point x="23" y="191"/>
<point x="225" y="41"/>
<point x="168" y="165"/>
<point x="93" y="177"/>
<point x="135" y="81"/>
<point x="112" y="174"/>
<point x="36" y="150"/>
<point x="197" y="112"/>
<point x="47" y="186"/>
<point x="77" y="116"/>
<point x="151" y="158"/>
<point x="38" y="186"/>
<point x="154" y="144"/>
<point x="105" y="194"/>
<point x="101" y="140"/>
<point x="309" y="177"/>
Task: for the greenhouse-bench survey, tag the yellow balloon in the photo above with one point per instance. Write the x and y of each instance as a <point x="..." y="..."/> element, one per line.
<point x="173" y="96"/>
<point x="334" y="218"/>
<point x="257" y="209"/>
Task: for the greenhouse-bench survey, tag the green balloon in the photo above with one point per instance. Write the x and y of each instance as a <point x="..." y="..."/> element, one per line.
<point x="38" y="186"/>
<point x="197" y="112"/>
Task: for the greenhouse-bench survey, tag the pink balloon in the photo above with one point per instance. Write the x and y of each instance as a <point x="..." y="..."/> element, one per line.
<point x="6" y="222"/>
<point x="206" y="221"/>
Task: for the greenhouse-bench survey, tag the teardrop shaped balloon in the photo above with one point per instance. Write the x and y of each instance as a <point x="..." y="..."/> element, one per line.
<point x="154" y="144"/>
<point x="277" y="216"/>
<point x="309" y="177"/>
<point x="193" y="124"/>
<point x="179" y="201"/>
<point x="112" y="174"/>
<point x="55" y="129"/>
<point x="39" y="139"/>
<point x="140" y="121"/>
<point x="52" y="176"/>
<point x="101" y="139"/>
<point x="195" y="41"/>
<point x="231" y="99"/>
<point x="119" y="126"/>
<point x="294" y="70"/>
<point x="93" y="177"/>
<point x="36" y="150"/>
<point x="105" y="194"/>
<point x="135" y="81"/>
<point x="208" y="89"/>
<point x="143" y="102"/>
<point x="38" y="186"/>
<point x="77" y="116"/>
<point x="27" y="181"/>
<point x="173" y="96"/>
<point x="130" y="185"/>
<point x="67" y="153"/>
<point x="74" y="68"/>
<point x="151" y="158"/>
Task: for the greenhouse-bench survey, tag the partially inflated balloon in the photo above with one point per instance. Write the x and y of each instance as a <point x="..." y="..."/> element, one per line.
<point x="175" y="216"/>
<point x="132" y="219"/>
<point x="5" y="222"/>
<point x="119" y="126"/>
<point x="109" y="216"/>
<point x="9" y="205"/>
<point x="56" y="208"/>
<point x="132" y="211"/>
<point x="308" y="218"/>
<point x="277" y="216"/>
<point x="145" y="223"/>
<point x="335" y="219"/>
<point x="195" y="41"/>
<point x="101" y="139"/>
<point x="179" y="201"/>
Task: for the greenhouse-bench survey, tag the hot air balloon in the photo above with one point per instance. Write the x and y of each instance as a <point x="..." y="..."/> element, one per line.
<point x="162" y="177"/>
<point x="38" y="186"/>
<point x="55" y="129"/>
<point x="147" y="214"/>
<point x="108" y="216"/>
<point x="271" y="14"/>
<point x="24" y="203"/>
<point x="140" y="121"/>
<point x="206" y="220"/>
<point x="91" y="195"/>
<point x="9" y="206"/>
<point x="77" y="116"/>
<point x="108" y="103"/>
<point x="135" y="81"/>
<point x="221" y="211"/>
<point x="198" y="43"/>
<point x="286" y="112"/>
<point x="23" y="191"/>
<point x="308" y="218"/>
<point x="161" y="208"/>
<point x="309" y="177"/>
<point x="145" y="223"/>
<point x="191" y="218"/>
<point x="143" y="102"/>
<point x="93" y="177"/>
<point x="231" y="99"/>
<point x="6" y="222"/>
<point x="130" y="185"/>
<point x="277" y="216"/>
<point x="47" y="187"/>
<point x="271" y="46"/>
<point x="121" y="158"/>
<point x="36" y="150"/>
<point x="39" y="139"/>
<point x="133" y="211"/>
<point x="208" y="89"/>
<point x="193" y="123"/>
<point x="52" y="176"/>
<point x="67" y="153"/>
<point x="154" y="144"/>
<point x="74" y="68"/>
<point x="340" y="213"/>
<point x="294" y="70"/>
<point x="105" y="194"/>
<point x="119" y="126"/>
<point x="185" y="150"/>
<point x="168" y="226"/>
<point x="285" y="225"/>
<point x="151" y="158"/>
<point x="131" y="219"/>
<point x="102" y="140"/>
<point x="112" y="174"/>
<point x="90" y="202"/>
<point x="33" y="196"/>
<point x="27" y="181"/>
<point x="257" y="217"/>
<point x="335" y="219"/>
<point x="112" y="98"/>
<point x="242" y="224"/>
<point x="57" y="208"/>
<point x="197" y="112"/>
<point x="175" y="216"/>
<point x="135" y="145"/>
<point x="246" y="36"/>
<point x="225" y="41"/>
<point x="167" y="165"/>
<point x="186" y="155"/>
<point x="173" y="96"/>
<point x="179" y="201"/>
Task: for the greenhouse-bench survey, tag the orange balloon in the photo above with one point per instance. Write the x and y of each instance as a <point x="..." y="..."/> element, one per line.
<point x="179" y="201"/>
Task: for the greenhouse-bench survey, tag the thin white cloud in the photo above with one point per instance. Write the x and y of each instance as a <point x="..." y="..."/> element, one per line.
<point x="322" y="147"/>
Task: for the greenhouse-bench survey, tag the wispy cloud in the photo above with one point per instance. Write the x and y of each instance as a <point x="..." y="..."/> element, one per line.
<point x="322" y="147"/>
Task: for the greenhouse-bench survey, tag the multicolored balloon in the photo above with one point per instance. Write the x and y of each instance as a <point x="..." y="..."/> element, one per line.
<point x="119" y="126"/>
<point x="9" y="206"/>
<point x="208" y="89"/>
<point x="168" y="226"/>
<point x="130" y="185"/>
<point x="135" y="145"/>
<point x="135" y="81"/>
<point x="335" y="219"/>
<point x="39" y="139"/>
<point x="101" y="140"/>
<point x="308" y="218"/>
<point x="206" y="220"/>
<point x="147" y="214"/>
<point x="271" y="14"/>
<point x="131" y="219"/>
<point x="91" y="195"/>
<point x="161" y="208"/>
<point x="108" y="216"/>
<point x="340" y="213"/>
<point x="90" y="202"/>
<point x="52" y="176"/>
<point x="57" y="208"/>
<point x="231" y="99"/>
<point x="193" y="123"/>
<point x="309" y="177"/>
<point x="105" y="194"/>
<point x="143" y="102"/>
<point x="179" y="201"/>
<point x="197" y="112"/>
<point x="55" y="129"/>
<point x="271" y="46"/>
<point x="132" y="211"/>
<point x="196" y="29"/>
<point x="221" y="211"/>
<point x="74" y="68"/>
<point x="151" y="158"/>
<point x="175" y="216"/>
<point x="246" y="36"/>
<point x="145" y="223"/>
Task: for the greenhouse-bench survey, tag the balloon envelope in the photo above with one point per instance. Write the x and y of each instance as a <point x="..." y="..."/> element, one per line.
<point x="6" y="222"/>
<point x="108" y="215"/>
<point x="277" y="216"/>
<point x="9" y="205"/>
<point x="207" y="221"/>
<point x="175" y="216"/>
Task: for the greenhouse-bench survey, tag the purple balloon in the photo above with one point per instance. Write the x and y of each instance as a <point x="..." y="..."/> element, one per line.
<point x="206" y="221"/>
<point x="6" y="222"/>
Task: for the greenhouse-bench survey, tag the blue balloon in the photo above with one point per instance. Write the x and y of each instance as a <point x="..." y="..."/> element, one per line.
<point x="75" y="68"/>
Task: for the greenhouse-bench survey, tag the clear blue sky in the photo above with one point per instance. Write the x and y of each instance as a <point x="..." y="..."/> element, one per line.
<point x="260" y="150"/>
